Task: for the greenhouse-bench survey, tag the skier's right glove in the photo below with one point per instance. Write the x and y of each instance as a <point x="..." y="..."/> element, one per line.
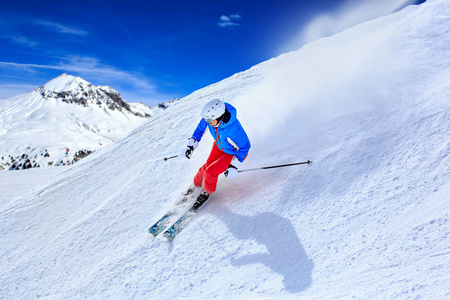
<point x="232" y="170"/>
<point x="190" y="147"/>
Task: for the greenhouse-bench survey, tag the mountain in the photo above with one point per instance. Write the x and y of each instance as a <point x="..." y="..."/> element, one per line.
<point x="66" y="113"/>
<point x="369" y="219"/>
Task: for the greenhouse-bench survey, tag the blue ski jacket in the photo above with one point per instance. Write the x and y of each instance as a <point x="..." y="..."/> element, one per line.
<point x="229" y="136"/>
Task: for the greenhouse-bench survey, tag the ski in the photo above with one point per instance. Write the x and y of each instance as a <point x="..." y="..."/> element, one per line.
<point x="172" y="232"/>
<point x="165" y="220"/>
<point x="175" y="229"/>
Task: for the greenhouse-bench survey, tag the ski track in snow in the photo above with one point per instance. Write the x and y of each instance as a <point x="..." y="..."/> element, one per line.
<point x="369" y="219"/>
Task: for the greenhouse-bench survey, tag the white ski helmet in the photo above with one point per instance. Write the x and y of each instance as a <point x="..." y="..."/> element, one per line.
<point x="212" y="110"/>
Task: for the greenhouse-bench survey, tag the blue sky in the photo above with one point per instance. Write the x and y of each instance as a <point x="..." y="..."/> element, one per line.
<point x="153" y="51"/>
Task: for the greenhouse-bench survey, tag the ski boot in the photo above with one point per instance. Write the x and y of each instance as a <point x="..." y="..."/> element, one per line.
<point x="200" y="200"/>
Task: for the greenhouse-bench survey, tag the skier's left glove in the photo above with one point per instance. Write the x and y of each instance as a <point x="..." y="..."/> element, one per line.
<point x="190" y="147"/>
<point x="232" y="170"/>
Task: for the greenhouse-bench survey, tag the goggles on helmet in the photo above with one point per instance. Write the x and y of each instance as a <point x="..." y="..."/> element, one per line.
<point x="209" y="120"/>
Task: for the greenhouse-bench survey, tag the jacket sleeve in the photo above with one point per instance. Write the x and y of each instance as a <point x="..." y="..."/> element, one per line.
<point x="200" y="130"/>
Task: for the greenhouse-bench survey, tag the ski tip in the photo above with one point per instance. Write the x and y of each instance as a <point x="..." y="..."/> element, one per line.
<point x="309" y="162"/>
<point x="154" y="231"/>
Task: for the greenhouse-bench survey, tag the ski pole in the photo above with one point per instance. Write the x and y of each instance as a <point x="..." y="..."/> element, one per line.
<point x="278" y="166"/>
<point x="167" y="158"/>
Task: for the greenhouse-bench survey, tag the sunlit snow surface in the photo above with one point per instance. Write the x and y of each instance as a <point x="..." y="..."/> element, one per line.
<point x="368" y="219"/>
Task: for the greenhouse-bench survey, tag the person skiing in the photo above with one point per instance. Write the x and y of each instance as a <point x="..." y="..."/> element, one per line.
<point x="230" y="148"/>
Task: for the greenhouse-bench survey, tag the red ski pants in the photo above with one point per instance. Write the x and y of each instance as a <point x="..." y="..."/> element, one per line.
<point x="207" y="176"/>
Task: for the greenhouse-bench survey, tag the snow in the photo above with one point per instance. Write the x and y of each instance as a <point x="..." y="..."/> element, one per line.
<point x="64" y="82"/>
<point x="15" y="184"/>
<point x="369" y="219"/>
<point x="142" y="108"/>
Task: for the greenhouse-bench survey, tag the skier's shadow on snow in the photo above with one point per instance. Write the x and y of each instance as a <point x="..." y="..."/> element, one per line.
<point x="286" y="255"/>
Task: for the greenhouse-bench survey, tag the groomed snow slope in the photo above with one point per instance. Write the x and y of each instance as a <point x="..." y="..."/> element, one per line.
<point x="369" y="219"/>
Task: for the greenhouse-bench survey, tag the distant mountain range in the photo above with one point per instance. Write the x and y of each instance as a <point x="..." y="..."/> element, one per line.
<point x="65" y="120"/>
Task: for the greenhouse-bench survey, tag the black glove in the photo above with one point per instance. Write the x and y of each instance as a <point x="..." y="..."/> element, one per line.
<point x="190" y="147"/>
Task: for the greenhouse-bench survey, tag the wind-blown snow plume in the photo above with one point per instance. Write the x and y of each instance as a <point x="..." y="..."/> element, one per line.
<point x="350" y="13"/>
<point x="322" y="81"/>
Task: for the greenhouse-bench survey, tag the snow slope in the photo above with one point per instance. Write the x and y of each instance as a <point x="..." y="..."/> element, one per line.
<point x="369" y="219"/>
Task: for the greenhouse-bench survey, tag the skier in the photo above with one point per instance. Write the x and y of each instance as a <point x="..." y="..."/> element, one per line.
<point x="230" y="148"/>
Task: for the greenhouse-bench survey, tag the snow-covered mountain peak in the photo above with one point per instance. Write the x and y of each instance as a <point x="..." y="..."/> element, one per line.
<point x="65" y="82"/>
<point x="75" y="90"/>
<point x="63" y="120"/>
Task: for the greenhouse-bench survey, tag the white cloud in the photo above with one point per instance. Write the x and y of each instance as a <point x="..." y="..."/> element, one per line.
<point x="90" y="69"/>
<point x="52" y="26"/>
<point x="229" y="22"/>
<point x="21" y="40"/>
<point x="224" y="19"/>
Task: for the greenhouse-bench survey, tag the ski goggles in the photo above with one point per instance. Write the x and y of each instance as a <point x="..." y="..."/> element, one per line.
<point x="209" y="120"/>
